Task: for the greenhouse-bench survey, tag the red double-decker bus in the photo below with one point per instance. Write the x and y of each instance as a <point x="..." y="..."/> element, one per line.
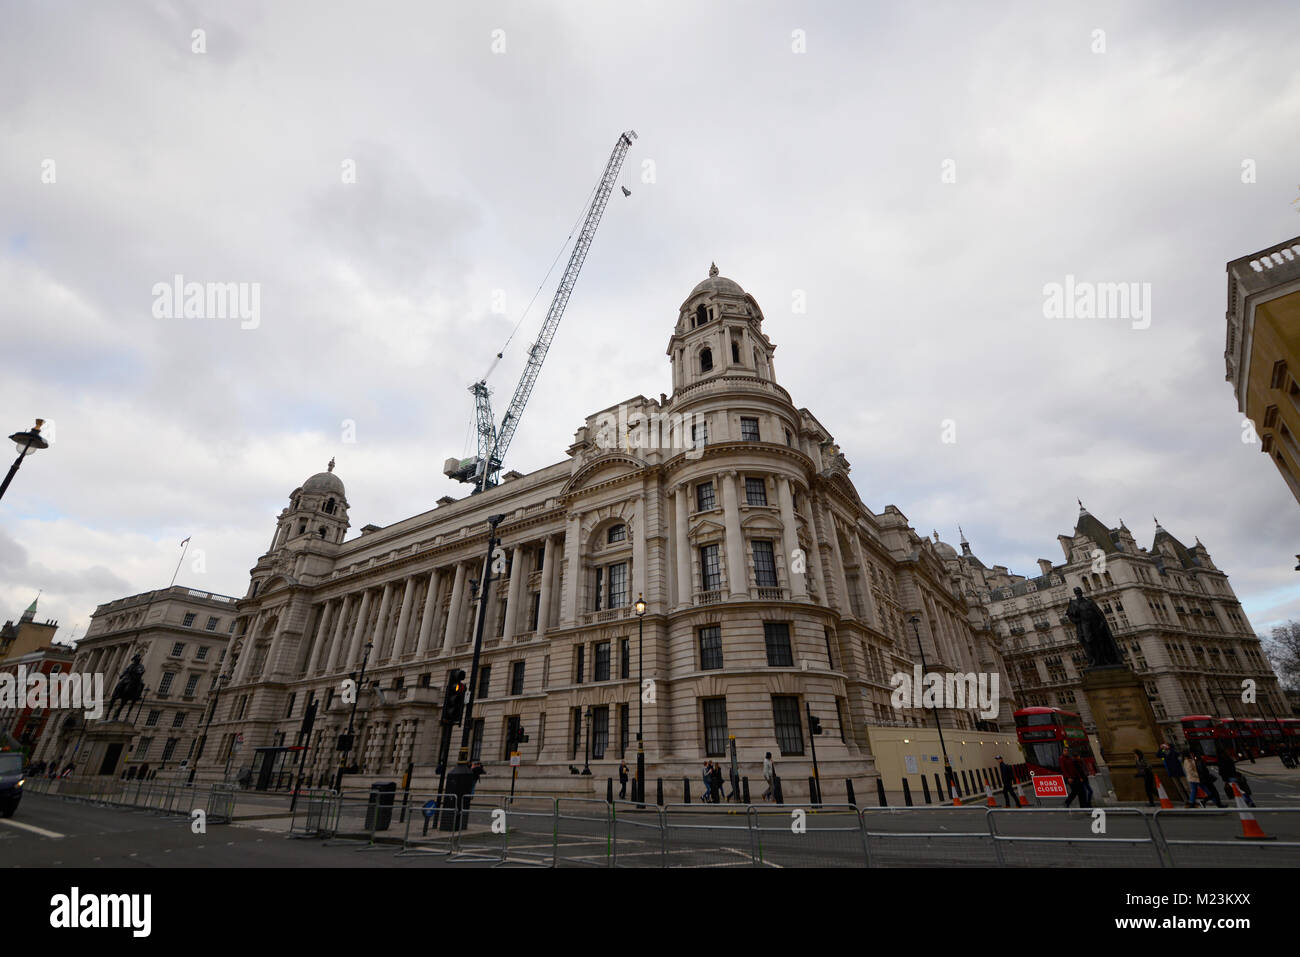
<point x="1043" y="733"/>
<point x="1203" y="734"/>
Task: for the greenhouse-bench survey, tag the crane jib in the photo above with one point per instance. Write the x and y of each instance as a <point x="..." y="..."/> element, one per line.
<point x="493" y="443"/>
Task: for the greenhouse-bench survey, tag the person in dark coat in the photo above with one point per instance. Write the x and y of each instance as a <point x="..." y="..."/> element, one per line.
<point x="622" y="780"/>
<point x="1148" y="777"/>
<point x="1206" y="778"/>
<point x="1231" y="774"/>
<point x="716" y="781"/>
<point x="1073" y="770"/>
<point x="1008" y="783"/>
<point x="1174" y="771"/>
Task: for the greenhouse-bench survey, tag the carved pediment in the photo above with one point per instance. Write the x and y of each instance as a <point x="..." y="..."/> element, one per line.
<point x="602" y="468"/>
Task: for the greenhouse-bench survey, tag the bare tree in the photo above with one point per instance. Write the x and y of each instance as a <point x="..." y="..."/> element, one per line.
<point x="1283" y="649"/>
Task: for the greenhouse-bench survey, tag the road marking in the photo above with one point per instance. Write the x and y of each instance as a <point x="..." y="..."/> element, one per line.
<point x="31" y="827"/>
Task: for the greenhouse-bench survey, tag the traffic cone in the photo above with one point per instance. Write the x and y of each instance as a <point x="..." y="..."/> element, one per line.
<point x="956" y="798"/>
<point x="1250" y="829"/>
<point x="989" y="791"/>
<point x="1165" y="803"/>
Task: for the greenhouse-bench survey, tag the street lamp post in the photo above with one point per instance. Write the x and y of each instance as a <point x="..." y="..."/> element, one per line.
<point x="27" y="443"/>
<point x="221" y="681"/>
<point x="640" y="708"/>
<point x="586" y="761"/>
<point x="361" y="683"/>
<point x="947" y="765"/>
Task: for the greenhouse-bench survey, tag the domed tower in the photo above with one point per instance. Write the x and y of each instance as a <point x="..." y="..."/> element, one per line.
<point x="318" y="511"/>
<point x="719" y="333"/>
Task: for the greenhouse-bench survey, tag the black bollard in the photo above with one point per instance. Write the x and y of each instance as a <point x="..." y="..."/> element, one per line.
<point x="880" y="792"/>
<point x="609" y="790"/>
<point x="686" y="790"/>
<point x="659" y="792"/>
<point x="925" y="788"/>
<point x="907" y="793"/>
<point x="938" y="789"/>
<point x="848" y="787"/>
<point x="776" y="788"/>
<point x="812" y="791"/>
<point x="744" y="788"/>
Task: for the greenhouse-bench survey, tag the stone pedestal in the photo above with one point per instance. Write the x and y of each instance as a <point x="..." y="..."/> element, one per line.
<point x="105" y="749"/>
<point x="1125" y="721"/>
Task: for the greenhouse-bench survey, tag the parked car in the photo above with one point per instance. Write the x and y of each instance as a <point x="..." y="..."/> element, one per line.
<point x="11" y="782"/>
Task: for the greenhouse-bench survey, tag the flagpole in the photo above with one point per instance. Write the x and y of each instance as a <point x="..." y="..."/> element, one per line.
<point x="185" y="546"/>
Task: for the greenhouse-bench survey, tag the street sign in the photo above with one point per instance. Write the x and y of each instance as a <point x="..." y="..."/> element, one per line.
<point x="514" y="759"/>
<point x="1050" y="786"/>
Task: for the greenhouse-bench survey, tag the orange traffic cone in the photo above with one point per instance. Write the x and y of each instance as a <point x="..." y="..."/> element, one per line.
<point x="1250" y="829"/>
<point x="1024" y="801"/>
<point x="956" y="798"/>
<point x="1165" y="803"/>
<point x="989" y="791"/>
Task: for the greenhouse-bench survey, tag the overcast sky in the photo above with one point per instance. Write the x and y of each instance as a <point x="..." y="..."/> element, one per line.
<point x="814" y="176"/>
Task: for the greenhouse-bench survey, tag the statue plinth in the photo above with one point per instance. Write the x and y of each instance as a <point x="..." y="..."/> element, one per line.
<point x="1120" y="708"/>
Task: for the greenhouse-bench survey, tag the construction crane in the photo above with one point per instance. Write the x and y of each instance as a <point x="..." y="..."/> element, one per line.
<point x="484" y="469"/>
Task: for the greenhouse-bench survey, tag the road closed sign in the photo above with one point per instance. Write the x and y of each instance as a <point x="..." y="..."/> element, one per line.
<point x="1050" y="786"/>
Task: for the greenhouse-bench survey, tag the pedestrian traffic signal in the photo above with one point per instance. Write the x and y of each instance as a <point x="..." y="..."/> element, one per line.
<point x="814" y="724"/>
<point x="453" y="705"/>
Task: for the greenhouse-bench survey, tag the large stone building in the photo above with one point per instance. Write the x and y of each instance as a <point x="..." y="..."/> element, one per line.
<point x="1263" y="350"/>
<point x="181" y="636"/>
<point x="770" y="585"/>
<point x="27" y="634"/>
<point x="1172" y="611"/>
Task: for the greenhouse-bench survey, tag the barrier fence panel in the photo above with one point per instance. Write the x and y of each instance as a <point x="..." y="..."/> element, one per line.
<point x="312" y="814"/>
<point x="1209" y="837"/>
<point x="482" y="829"/>
<point x="531" y="830"/>
<point x="704" y="836"/>
<point x="1074" y="837"/>
<point x="827" y="836"/>
<point x="422" y="833"/>
<point x="927" y="837"/>
<point x="583" y="833"/>
<point x="638" y="835"/>
<point x="221" y="805"/>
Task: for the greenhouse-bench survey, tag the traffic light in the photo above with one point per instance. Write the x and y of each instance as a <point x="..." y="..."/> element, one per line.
<point x="814" y="724"/>
<point x="453" y="705"/>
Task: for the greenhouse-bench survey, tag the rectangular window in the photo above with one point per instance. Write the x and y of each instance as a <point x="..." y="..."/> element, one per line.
<point x="535" y="611"/>
<point x="170" y="748"/>
<point x="715" y="727"/>
<point x="616" y="533"/>
<point x="212" y="624"/>
<point x="755" y="491"/>
<point x="625" y="658"/>
<point x="512" y="736"/>
<point x="189" y="619"/>
<point x="764" y="563"/>
<point x="748" y="430"/>
<point x="517" y="678"/>
<point x="142" y="748"/>
<point x="599" y="731"/>
<point x="839" y="718"/>
<point x="484" y="681"/>
<point x="581" y="663"/>
<point x="788" y="723"/>
<point x="700" y="434"/>
<point x="710" y="568"/>
<point x="178" y="649"/>
<point x="602" y="661"/>
<point x="704" y="499"/>
<point x="476" y="744"/>
<point x="600" y="589"/>
<point x="293" y="699"/>
<point x="179" y="720"/>
<point x="618" y="585"/>
<point x="191" y="684"/>
<point x="501" y="617"/>
<point x="776" y="635"/>
<point x="166" y="684"/>
<point x="830" y="661"/>
<point x="576" y="718"/>
<point x="624" y="730"/>
<point x="710" y="647"/>
<point x="201" y="654"/>
<point x="152" y="720"/>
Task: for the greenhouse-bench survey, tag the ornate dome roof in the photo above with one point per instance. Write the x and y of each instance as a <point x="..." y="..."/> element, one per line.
<point x="325" y="481"/>
<point x="717" y="284"/>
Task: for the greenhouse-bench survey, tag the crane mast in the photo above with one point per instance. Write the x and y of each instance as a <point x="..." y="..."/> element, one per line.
<point x="484" y="469"/>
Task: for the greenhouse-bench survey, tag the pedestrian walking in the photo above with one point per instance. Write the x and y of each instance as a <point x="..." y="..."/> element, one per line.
<point x="735" y="784"/>
<point x="717" y="783"/>
<point x="1174" y="770"/>
<point x="1073" y="770"/>
<point x="1206" y="778"/>
<point x="1230" y="774"/>
<point x="767" y="777"/>
<point x="1148" y="777"/>
<point x="622" y="780"/>
<point x="1008" y="783"/>
<point x="707" y="797"/>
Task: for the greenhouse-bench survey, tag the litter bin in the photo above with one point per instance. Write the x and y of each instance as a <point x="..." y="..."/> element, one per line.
<point x="379" y="809"/>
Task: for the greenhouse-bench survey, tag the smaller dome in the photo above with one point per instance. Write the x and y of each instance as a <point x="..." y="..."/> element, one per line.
<point x="717" y="284"/>
<point x="325" y="481"/>
<point x="945" y="550"/>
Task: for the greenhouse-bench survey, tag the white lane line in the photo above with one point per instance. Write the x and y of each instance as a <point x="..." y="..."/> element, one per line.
<point x="31" y="827"/>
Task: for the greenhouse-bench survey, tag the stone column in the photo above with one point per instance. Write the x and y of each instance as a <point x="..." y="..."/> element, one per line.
<point x="381" y="621"/>
<point x="275" y="647"/>
<point x="815" y="559"/>
<point x="683" y="546"/>
<point x="737" y="576"/>
<point x="336" y="643"/>
<point x="453" y="610"/>
<point x="572" y="555"/>
<point x="837" y="558"/>
<point x="322" y="636"/>
<point x="548" y="573"/>
<point x="246" y="651"/>
<point x="640" y="550"/>
<point x="430" y="612"/>
<point x="864" y="580"/>
<point x="354" y="649"/>
<point x="790" y="539"/>
<point x="513" y="599"/>
<point x="403" y="619"/>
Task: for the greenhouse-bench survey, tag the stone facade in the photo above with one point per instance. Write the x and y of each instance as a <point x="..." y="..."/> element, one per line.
<point x="1172" y="611"/>
<point x="769" y="586"/>
<point x="181" y="636"/>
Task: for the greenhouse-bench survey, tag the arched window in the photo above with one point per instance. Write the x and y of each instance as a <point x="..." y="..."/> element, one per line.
<point x="735" y="352"/>
<point x="329" y="507"/>
<point x="322" y="531"/>
<point x="617" y="533"/>
<point x="701" y="315"/>
<point x="706" y="360"/>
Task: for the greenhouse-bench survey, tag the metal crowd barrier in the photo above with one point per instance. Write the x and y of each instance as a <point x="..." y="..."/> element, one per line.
<point x="639" y="836"/>
<point x="818" y="838"/>
<point x="221" y="804"/>
<point x="315" y="813"/>
<point x="1198" y="837"/>
<point x="422" y="832"/>
<point x="708" y="835"/>
<point x="1099" y="837"/>
<point x="583" y="836"/>
<point x="927" y="836"/>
